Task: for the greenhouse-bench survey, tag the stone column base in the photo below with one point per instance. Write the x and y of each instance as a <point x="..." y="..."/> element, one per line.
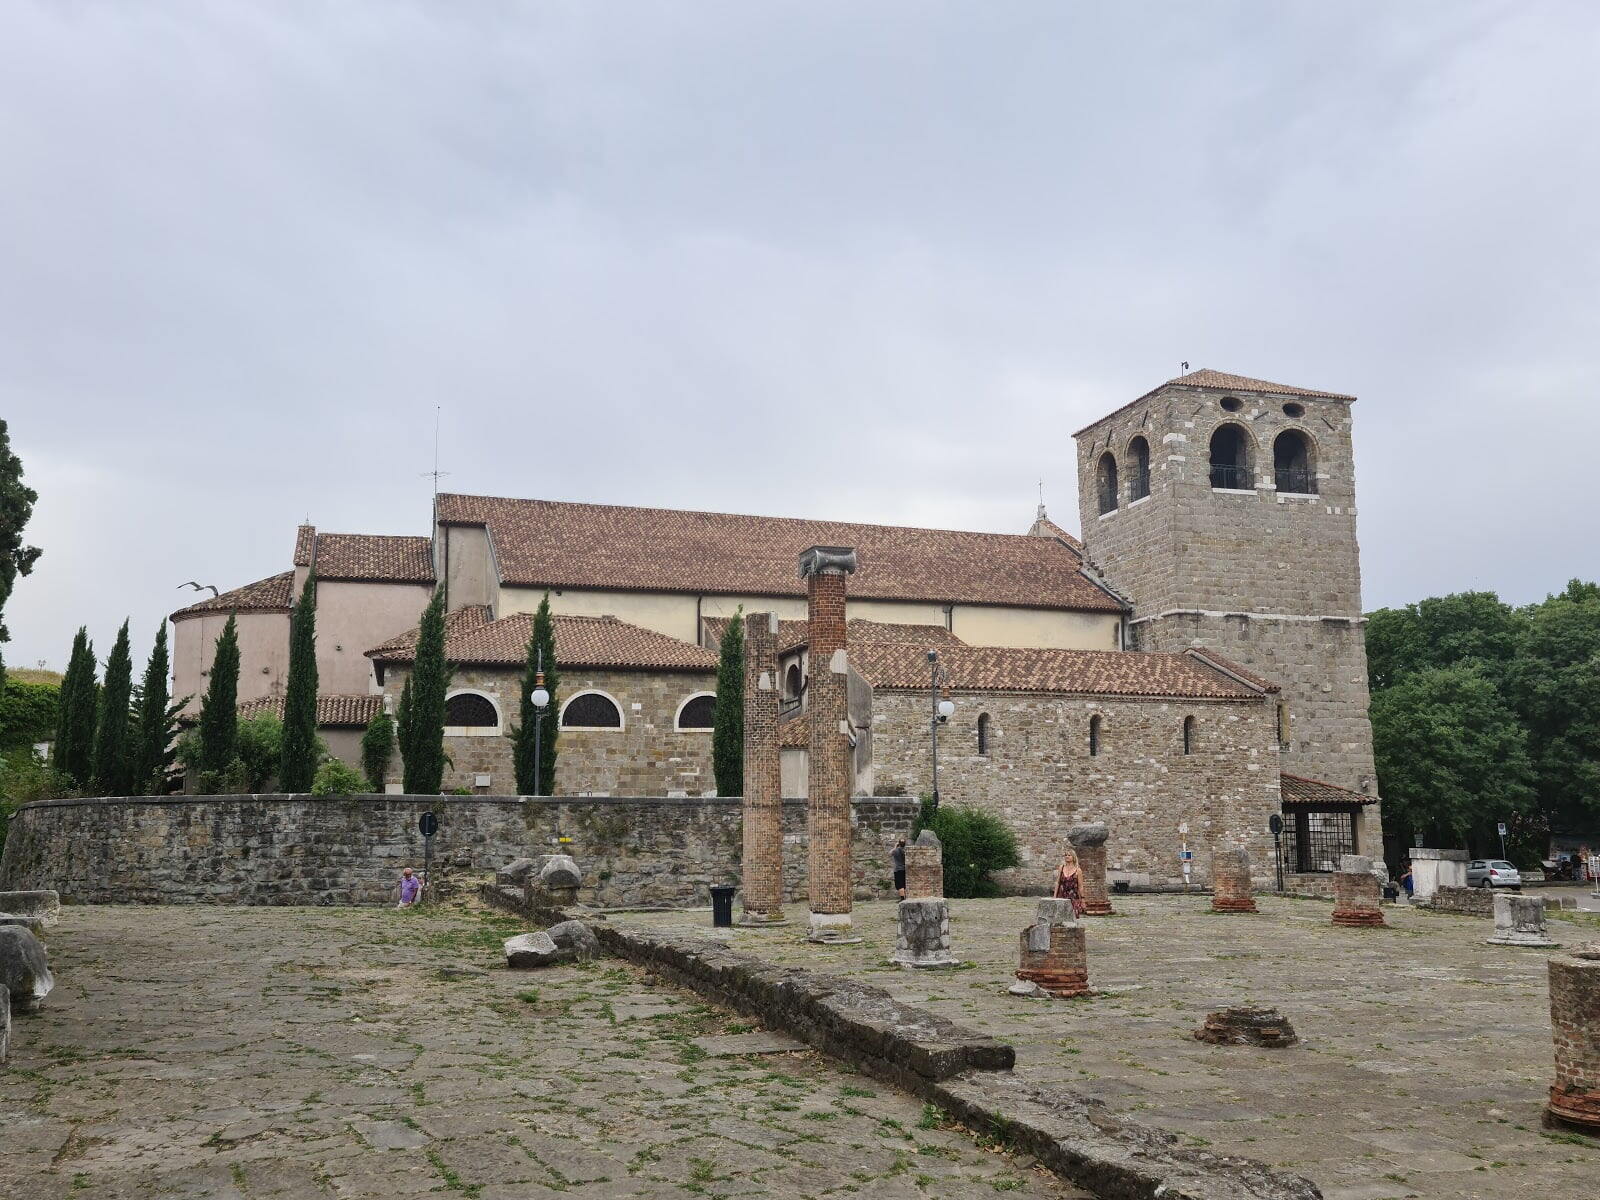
<point x="1533" y="941"/>
<point x="1234" y="904"/>
<point x="1572" y="1109"/>
<point x="755" y="920"/>
<point x="1063" y="984"/>
<point x="1358" y="918"/>
<point x="831" y="929"/>
<point x="1097" y="908"/>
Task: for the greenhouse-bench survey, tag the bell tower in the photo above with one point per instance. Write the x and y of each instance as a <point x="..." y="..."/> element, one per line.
<point x="1224" y="508"/>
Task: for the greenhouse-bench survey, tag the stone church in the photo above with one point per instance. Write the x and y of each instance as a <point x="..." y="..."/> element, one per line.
<point x="1190" y="666"/>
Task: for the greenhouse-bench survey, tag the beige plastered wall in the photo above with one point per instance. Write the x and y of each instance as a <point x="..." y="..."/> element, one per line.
<point x="354" y="617"/>
<point x="263" y="655"/>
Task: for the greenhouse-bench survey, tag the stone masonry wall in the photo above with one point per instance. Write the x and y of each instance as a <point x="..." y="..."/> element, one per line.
<point x="1271" y="580"/>
<point x="648" y="756"/>
<point x="311" y="850"/>
<point x="1040" y="778"/>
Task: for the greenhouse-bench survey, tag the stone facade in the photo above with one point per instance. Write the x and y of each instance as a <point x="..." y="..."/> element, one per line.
<point x="1270" y="578"/>
<point x="1040" y="778"/>
<point x="313" y="850"/>
<point x="648" y="756"/>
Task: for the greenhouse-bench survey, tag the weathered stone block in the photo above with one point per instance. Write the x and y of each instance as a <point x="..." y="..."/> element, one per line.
<point x="24" y="968"/>
<point x="1230" y="882"/>
<point x="533" y="950"/>
<point x="575" y="937"/>
<point x="924" y="939"/>
<point x="1519" y="921"/>
<point x="46" y="905"/>
<point x="925" y="867"/>
<point x="1054" y="951"/>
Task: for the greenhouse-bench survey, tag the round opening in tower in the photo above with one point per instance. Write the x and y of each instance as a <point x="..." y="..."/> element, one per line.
<point x="1231" y="403"/>
<point x="1294" y="410"/>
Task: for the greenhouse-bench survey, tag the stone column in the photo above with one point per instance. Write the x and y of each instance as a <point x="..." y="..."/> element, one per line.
<point x="1519" y="921"/>
<point x="924" y="939"/>
<point x="1054" y="951"/>
<point x="829" y="782"/>
<point x="1230" y="882"/>
<point x="762" y="882"/>
<point x="1356" y="892"/>
<point x="1575" y="1026"/>
<point x="1090" y="843"/>
<point x="924" y="867"/>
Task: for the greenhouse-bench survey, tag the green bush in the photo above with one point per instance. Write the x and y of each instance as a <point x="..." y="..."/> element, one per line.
<point x="975" y="844"/>
<point x="334" y="778"/>
<point x="28" y="713"/>
<point x="24" y="778"/>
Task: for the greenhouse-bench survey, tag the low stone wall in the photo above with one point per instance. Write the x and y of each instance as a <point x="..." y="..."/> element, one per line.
<point x="1464" y="901"/>
<point x="298" y="849"/>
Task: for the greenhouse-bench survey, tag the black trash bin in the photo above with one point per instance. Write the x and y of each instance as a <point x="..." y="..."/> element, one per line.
<point x="1120" y="886"/>
<point x="722" y="906"/>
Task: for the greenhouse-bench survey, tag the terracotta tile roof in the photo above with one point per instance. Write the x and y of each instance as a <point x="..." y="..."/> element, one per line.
<point x="471" y="638"/>
<point x="546" y="543"/>
<point x="793" y="635"/>
<point x="796" y="731"/>
<point x="271" y="594"/>
<point x="1296" y="790"/>
<point x="1233" y="668"/>
<point x="1222" y="381"/>
<point x="305" y="540"/>
<point x="373" y="557"/>
<point x="1043" y="526"/>
<point x="331" y="710"/>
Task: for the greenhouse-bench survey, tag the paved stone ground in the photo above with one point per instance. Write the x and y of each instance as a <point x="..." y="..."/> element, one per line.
<point x="1426" y="1054"/>
<point x="260" y="1052"/>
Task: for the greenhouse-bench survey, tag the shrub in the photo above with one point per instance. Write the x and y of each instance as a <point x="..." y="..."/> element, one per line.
<point x="24" y="778"/>
<point x="28" y="712"/>
<point x="334" y="778"/>
<point x="377" y="748"/>
<point x="260" y="749"/>
<point x="975" y="844"/>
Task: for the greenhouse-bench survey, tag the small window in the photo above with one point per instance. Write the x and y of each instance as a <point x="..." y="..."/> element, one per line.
<point x="1230" y="458"/>
<point x="1106" y="482"/>
<point x="1188" y="735"/>
<point x="469" y="710"/>
<point x="983" y="733"/>
<point x="697" y="712"/>
<point x="591" y="710"/>
<point x="792" y="685"/>
<point x="1294" y="410"/>
<point x="1138" y="469"/>
<point x="1094" y="737"/>
<point x="1291" y="463"/>
<point x="1231" y="403"/>
<point x="1283" y="726"/>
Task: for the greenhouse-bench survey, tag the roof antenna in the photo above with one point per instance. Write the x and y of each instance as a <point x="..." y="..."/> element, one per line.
<point x="1041" y="515"/>
<point x="436" y="473"/>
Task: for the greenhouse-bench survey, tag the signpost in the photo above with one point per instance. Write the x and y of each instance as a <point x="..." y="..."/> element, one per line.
<point x="1502" y="828"/>
<point x="1184" y="854"/>
<point x="1275" y="823"/>
<point x="427" y="825"/>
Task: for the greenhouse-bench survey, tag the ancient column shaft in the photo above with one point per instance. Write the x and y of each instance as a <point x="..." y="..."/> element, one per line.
<point x="1575" y="1026"/>
<point x="1230" y="882"/>
<point x="925" y="867"/>
<point x="830" y="778"/>
<point x="1090" y="843"/>
<point x="1356" y="893"/>
<point x="762" y="882"/>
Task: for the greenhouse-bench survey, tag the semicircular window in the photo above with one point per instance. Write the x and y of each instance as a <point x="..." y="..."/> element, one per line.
<point x="698" y="713"/>
<point x="470" y="710"/>
<point x="591" y="711"/>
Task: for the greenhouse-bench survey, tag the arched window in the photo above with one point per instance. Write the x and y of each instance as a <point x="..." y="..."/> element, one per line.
<point x="983" y="733"/>
<point x="792" y="685"/>
<point x="1188" y="735"/>
<point x="470" y="710"/>
<point x="1292" y="468"/>
<point x="1094" y="736"/>
<point x="591" y="710"/>
<point x="1283" y="726"/>
<point x="697" y="711"/>
<point x="1138" y="469"/>
<point x="1230" y="458"/>
<point x="1106" y="481"/>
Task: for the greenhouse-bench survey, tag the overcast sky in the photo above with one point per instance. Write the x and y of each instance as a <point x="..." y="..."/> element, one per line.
<point x="867" y="261"/>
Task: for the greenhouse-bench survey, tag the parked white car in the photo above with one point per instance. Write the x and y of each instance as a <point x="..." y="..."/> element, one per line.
<point x="1493" y="872"/>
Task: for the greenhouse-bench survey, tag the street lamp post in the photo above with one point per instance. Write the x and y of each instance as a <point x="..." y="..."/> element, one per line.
<point x="941" y="712"/>
<point x="540" y="698"/>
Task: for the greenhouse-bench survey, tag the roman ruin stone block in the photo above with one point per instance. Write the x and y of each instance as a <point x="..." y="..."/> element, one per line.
<point x="24" y="968"/>
<point x="1519" y="921"/>
<point x="1054" y="951"/>
<point x="576" y="937"/>
<point x="830" y="770"/>
<point x="1247" y="1025"/>
<point x="1575" y="1027"/>
<point x="1090" y="843"/>
<point x="924" y="939"/>
<point x="1356" y="893"/>
<point x="1230" y="882"/>
<point x="533" y="950"/>
<point x="925" y="867"/>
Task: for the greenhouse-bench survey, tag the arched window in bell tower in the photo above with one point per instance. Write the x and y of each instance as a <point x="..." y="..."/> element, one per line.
<point x="1230" y="458"/>
<point x="1138" y="469"/>
<point x="1106" y="482"/>
<point x="1293" y="469"/>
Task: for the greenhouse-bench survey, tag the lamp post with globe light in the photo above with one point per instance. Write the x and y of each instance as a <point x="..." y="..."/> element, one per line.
<point x="540" y="698"/>
<point x="943" y="709"/>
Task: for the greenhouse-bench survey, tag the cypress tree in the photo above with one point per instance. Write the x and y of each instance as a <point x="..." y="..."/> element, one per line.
<point x="298" y="765"/>
<point x="377" y="748"/>
<point x="727" y="722"/>
<point x="538" y="778"/>
<point x="403" y="728"/>
<point x="113" y="755"/>
<point x="74" y="749"/>
<point x="151" y="732"/>
<point x="430" y="679"/>
<point x="219" y="715"/>
<point x="16" y="507"/>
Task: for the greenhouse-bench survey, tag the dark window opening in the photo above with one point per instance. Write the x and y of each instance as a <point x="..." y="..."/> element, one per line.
<point x="1291" y="463"/>
<point x="1106" y="482"/>
<point x="1188" y="735"/>
<point x="791" y="682"/>
<point x="591" y="711"/>
<point x="1230" y="458"/>
<point x="983" y="733"/>
<point x="1315" y="839"/>
<point x="698" y="713"/>
<point x="1094" y="736"/>
<point x="1139" y="470"/>
<point x="1283" y="726"/>
<point x="1231" y="403"/>
<point x="1294" y="410"/>
<point x="470" y="710"/>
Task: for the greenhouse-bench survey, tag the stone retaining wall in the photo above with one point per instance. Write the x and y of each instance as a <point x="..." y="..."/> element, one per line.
<point x="298" y="849"/>
<point x="1467" y="902"/>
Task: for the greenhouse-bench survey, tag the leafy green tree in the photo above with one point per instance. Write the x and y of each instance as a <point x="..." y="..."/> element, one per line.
<point x="1442" y="631"/>
<point x="74" y="746"/>
<point x="538" y="778"/>
<point x="113" y="755"/>
<point x="727" y="721"/>
<point x="377" y="749"/>
<point x="219" y="716"/>
<point x="423" y="754"/>
<point x="336" y="778"/>
<point x="259" y="751"/>
<point x="29" y="713"/>
<point x="975" y="844"/>
<point x="153" y="722"/>
<point x="298" y="766"/>
<point x="16" y="508"/>
<point x="1452" y="758"/>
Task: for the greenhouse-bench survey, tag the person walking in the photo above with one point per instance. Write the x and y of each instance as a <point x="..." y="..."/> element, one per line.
<point x="897" y="858"/>
<point x="1069" y="881"/>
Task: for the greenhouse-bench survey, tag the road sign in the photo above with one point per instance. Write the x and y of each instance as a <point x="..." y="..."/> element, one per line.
<point x="1502" y="829"/>
<point x="1183" y="827"/>
<point x="428" y="824"/>
<point x="1275" y="824"/>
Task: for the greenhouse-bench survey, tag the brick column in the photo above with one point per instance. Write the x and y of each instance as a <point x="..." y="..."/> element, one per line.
<point x="1575" y="1025"/>
<point x="1230" y="882"/>
<point x="830" y="777"/>
<point x="762" y="883"/>
<point x="1356" y="892"/>
<point x="925" y="867"/>
<point x="1054" y="953"/>
<point x="1090" y="843"/>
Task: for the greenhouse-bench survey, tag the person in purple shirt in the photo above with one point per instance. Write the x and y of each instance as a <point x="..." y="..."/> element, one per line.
<point x="410" y="888"/>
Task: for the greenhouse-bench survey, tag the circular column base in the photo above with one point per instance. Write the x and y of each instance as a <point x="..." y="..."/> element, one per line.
<point x="1097" y="908"/>
<point x="1577" y="1111"/>
<point x="944" y="960"/>
<point x="1358" y="918"/>
<point x="1061" y="984"/>
<point x="1246" y="905"/>
<point x="753" y="920"/>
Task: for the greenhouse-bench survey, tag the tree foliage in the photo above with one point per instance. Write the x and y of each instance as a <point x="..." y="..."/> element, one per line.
<point x="727" y="720"/>
<point x="219" y="716"/>
<point x="154" y="721"/>
<point x="538" y="779"/>
<point x="377" y="749"/>
<point x="298" y="764"/>
<point x="422" y="747"/>
<point x="336" y="778"/>
<point x="975" y="844"/>
<point x="16" y="507"/>
<point x="29" y="712"/>
<point x="113" y="758"/>
<point x="74" y="745"/>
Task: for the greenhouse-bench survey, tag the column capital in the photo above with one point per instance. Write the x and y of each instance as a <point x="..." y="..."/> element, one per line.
<point x="827" y="560"/>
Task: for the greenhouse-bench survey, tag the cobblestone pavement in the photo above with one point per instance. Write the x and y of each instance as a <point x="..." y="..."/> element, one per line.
<point x="258" y="1052"/>
<point x="1426" y="1054"/>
